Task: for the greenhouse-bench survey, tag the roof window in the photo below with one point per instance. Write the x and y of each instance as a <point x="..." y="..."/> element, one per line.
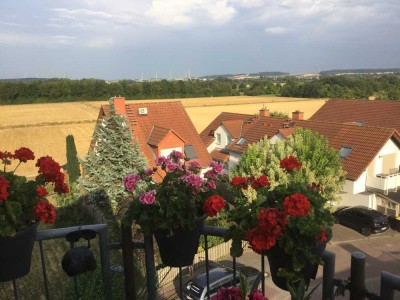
<point x="345" y="151"/>
<point x="190" y="152"/>
<point x="360" y="123"/>
<point x="241" y="141"/>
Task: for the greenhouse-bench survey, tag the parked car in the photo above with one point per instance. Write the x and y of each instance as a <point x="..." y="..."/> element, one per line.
<point x="361" y="218"/>
<point x="196" y="288"/>
<point x="394" y="223"/>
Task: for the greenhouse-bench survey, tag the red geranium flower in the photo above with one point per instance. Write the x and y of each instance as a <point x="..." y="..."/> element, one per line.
<point x="24" y="154"/>
<point x="44" y="212"/>
<point x="41" y="191"/>
<point x="290" y="163"/>
<point x="259" y="182"/>
<point x="240" y="181"/>
<point x="4" y="185"/>
<point x="322" y="237"/>
<point x="26" y="198"/>
<point x="296" y="205"/>
<point x="213" y="205"/>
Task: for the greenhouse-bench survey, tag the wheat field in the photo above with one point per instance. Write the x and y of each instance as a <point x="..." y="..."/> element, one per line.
<point x="44" y="127"/>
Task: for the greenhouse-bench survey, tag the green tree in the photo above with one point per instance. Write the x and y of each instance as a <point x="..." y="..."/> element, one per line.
<point x="72" y="160"/>
<point x="279" y="114"/>
<point x="320" y="162"/>
<point x="113" y="155"/>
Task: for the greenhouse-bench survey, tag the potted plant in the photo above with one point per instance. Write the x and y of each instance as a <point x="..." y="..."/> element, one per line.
<point x="175" y="209"/>
<point x="290" y="223"/>
<point x="23" y="204"/>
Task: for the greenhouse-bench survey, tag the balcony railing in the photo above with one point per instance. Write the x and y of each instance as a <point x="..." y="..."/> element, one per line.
<point x="384" y="182"/>
<point x="331" y="287"/>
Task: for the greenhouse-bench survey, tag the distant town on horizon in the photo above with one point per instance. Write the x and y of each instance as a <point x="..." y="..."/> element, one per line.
<point x="238" y="76"/>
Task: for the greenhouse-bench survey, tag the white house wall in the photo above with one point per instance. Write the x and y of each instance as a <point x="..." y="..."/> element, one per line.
<point x="276" y="138"/>
<point x="390" y="148"/>
<point x="224" y="137"/>
<point x="365" y="199"/>
<point x="166" y="152"/>
<point x="233" y="159"/>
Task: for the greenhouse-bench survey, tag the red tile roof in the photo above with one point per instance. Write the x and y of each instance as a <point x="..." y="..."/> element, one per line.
<point x="207" y="135"/>
<point x="372" y="113"/>
<point x="220" y="155"/>
<point x="256" y="130"/>
<point x="234" y="127"/>
<point x="365" y="142"/>
<point x="157" y="134"/>
<point x="163" y="116"/>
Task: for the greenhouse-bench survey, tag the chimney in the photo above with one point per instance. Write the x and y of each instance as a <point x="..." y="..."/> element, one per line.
<point x="119" y="104"/>
<point x="297" y="115"/>
<point x="264" y="112"/>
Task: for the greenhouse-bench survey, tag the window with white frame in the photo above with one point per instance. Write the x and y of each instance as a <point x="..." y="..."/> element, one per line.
<point x="218" y="137"/>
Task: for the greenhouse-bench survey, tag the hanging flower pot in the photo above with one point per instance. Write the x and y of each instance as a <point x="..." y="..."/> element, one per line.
<point x="278" y="259"/>
<point x="173" y="209"/>
<point x="178" y="248"/>
<point x="16" y="253"/>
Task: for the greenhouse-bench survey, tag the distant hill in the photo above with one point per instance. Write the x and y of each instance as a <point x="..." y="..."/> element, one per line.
<point x="261" y="74"/>
<point x="359" y="71"/>
<point x="22" y="79"/>
<point x="270" y="74"/>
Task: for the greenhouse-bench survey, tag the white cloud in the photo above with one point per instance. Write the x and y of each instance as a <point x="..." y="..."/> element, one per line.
<point x="63" y="39"/>
<point x="187" y="12"/>
<point x="15" y="39"/>
<point x="100" y="42"/>
<point x="276" y="30"/>
<point x="249" y="3"/>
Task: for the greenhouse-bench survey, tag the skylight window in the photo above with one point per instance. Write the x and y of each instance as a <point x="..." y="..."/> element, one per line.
<point x="360" y="123"/>
<point x="345" y="151"/>
<point x="241" y="141"/>
<point x="190" y="152"/>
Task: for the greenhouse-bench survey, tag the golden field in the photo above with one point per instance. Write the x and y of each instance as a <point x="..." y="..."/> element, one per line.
<point x="44" y="127"/>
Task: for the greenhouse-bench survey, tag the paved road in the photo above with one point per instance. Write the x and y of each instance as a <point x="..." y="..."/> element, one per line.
<point x="382" y="251"/>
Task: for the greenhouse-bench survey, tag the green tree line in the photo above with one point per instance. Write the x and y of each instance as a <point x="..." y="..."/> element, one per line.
<point x="386" y="87"/>
<point x="60" y="90"/>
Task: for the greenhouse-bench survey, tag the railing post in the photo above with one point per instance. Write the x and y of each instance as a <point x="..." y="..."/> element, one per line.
<point x="150" y="267"/>
<point x="129" y="267"/>
<point x="357" y="276"/>
<point x="328" y="275"/>
<point x="389" y="283"/>
<point x="105" y="261"/>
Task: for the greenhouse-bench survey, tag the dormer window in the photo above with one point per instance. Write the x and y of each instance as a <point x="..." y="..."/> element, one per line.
<point x="218" y="137"/>
<point x="345" y="151"/>
<point x="241" y="141"/>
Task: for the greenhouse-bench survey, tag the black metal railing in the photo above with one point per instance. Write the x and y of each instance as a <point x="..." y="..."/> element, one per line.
<point x="331" y="287"/>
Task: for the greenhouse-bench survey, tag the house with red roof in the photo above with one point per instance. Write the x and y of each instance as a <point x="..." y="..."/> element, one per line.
<point x="229" y="134"/>
<point x="370" y="155"/>
<point x="159" y="128"/>
<point x="381" y="113"/>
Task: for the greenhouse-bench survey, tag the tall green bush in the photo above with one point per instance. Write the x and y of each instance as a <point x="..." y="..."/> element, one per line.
<point x="112" y="156"/>
<point x="72" y="160"/>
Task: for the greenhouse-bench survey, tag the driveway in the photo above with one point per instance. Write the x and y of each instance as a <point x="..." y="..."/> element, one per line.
<point x="382" y="251"/>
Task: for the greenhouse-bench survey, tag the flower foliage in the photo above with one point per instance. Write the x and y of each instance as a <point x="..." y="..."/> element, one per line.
<point x="23" y="201"/>
<point x="182" y="195"/>
<point x="292" y="217"/>
<point x="235" y="293"/>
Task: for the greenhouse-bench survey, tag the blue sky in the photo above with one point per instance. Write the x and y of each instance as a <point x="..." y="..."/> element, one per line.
<point x="128" y="39"/>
